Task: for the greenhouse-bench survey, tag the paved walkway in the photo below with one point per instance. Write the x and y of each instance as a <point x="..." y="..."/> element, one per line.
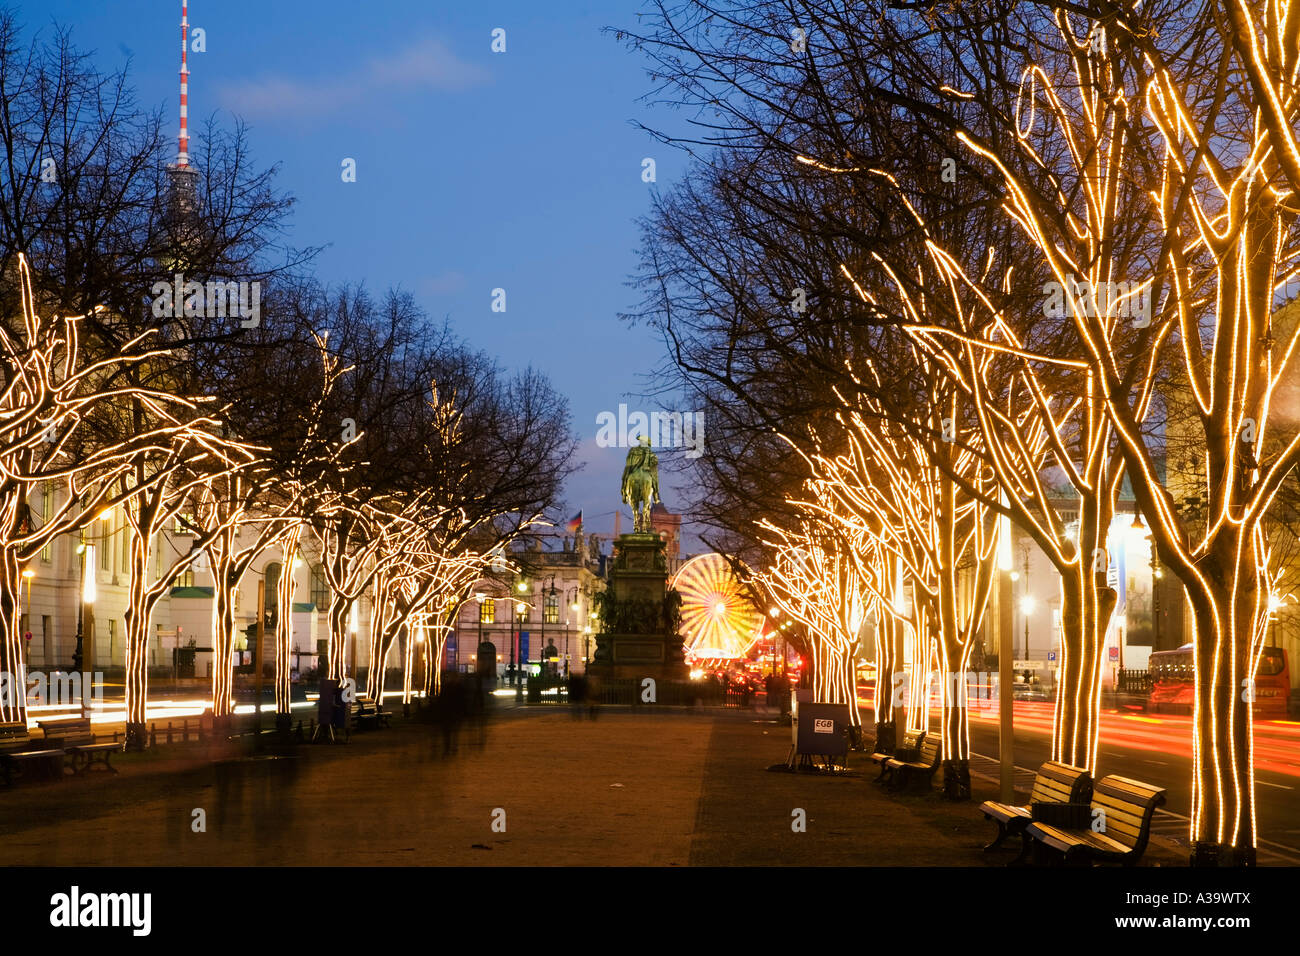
<point x="658" y="788"/>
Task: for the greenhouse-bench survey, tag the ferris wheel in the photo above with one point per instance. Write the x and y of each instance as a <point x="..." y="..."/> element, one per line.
<point x="719" y="620"/>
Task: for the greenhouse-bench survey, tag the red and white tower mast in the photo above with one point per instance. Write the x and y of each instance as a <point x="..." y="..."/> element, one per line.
<point x="183" y="156"/>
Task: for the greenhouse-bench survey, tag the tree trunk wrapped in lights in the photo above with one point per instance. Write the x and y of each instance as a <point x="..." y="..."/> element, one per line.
<point x="1024" y="428"/>
<point x="53" y="396"/>
<point x="161" y="483"/>
<point x="925" y="502"/>
<point x="816" y="583"/>
<point x="1224" y="180"/>
<point x="284" y="628"/>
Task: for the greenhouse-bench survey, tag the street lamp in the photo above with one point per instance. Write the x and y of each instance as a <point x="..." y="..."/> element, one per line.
<point x="576" y="607"/>
<point x="28" y="574"/>
<point x="86" y="625"/>
<point x="354" y="625"/>
<point x="479" y="596"/>
<point x="1026" y="609"/>
<point x="85" y="648"/>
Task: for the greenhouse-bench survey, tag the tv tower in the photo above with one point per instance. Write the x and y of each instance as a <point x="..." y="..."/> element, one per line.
<point x="183" y="156"/>
<point x="182" y="175"/>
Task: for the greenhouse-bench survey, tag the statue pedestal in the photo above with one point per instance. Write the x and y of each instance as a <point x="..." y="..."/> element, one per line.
<point x="635" y="641"/>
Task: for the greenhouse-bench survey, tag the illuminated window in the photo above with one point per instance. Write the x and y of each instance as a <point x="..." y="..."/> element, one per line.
<point x="551" y="610"/>
<point x="487" y="613"/>
<point x="185" y="579"/>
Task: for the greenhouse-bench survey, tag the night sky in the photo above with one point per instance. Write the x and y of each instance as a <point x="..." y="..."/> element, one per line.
<point x="476" y="170"/>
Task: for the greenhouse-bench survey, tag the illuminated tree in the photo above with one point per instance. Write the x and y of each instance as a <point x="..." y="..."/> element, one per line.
<point x="1223" y="178"/>
<point x="814" y="582"/>
<point x="54" y="400"/>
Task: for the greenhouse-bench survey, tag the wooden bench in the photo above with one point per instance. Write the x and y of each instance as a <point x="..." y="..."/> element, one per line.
<point x="910" y="750"/>
<point x="1055" y="785"/>
<point x="367" y="716"/>
<point x="16" y="755"/>
<point x="77" y="740"/>
<point x="904" y="772"/>
<point x="1121" y="811"/>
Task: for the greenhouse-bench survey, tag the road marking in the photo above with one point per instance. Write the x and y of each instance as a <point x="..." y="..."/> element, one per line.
<point x="1277" y="785"/>
<point x="1158" y="763"/>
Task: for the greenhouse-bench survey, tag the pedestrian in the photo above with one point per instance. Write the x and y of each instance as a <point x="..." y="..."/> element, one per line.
<point x="450" y="709"/>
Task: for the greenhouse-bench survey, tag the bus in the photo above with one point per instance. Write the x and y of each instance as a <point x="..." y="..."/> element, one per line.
<point x="1173" y="682"/>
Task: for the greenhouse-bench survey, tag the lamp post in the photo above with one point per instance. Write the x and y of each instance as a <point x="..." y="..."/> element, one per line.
<point x="548" y="600"/>
<point x="86" y="627"/>
<point x="28" y="574"/>
<point x="1026" y="608"/>
<point x="516" y="631"/>
<point x="1006" y="640"/>
<point x="1137" y="531"/>
<point x="354" y="625"/>
<point x="1155" y="598"/>
<point x="1026" y="601"/>
<point x="576" y="607"/>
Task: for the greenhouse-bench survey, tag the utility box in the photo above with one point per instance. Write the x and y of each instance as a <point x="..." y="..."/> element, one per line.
<point x="819" y="728"/>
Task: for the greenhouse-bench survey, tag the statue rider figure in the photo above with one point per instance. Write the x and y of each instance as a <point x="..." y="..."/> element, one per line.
<point x="641" y="483"/>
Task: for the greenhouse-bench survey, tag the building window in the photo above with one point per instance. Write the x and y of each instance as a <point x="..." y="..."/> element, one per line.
<point x="185" y="579"/>
<point x="487" y="611"/>
<point x="551" y="610"/>
<point x="521" y="612"/>
<point x="269" y="599"/>
<point x="320" y="587"/>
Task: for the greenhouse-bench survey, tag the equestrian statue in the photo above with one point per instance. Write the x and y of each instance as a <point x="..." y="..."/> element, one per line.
<point x="641" y="483"/>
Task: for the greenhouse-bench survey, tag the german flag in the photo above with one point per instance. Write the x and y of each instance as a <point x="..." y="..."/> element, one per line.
<point x="574" y="524"/>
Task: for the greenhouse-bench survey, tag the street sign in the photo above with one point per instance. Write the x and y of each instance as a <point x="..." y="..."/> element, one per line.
<point x="1114" y="653"/>
<point x="1028" y="666"/>
<point x="1051" y="657"/>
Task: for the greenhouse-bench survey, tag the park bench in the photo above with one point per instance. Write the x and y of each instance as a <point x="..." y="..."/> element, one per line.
<point x="910" y="750"/>
<point x="16" y="755"/>
<point x="904" y="769"/>
<point x="1121" y="810"/>
<point x="77" y="740"/>
<point x="1057" y="786"/>
<point x="367" y="716"/>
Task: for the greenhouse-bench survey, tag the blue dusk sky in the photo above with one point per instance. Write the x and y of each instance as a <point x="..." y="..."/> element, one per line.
<point x="476" y="170"/>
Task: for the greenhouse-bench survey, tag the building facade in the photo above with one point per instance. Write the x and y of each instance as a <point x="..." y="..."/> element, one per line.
<point x="543" y="615"/>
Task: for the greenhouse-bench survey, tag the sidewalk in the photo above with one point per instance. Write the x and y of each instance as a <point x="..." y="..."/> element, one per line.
<point x="643" y="787"/>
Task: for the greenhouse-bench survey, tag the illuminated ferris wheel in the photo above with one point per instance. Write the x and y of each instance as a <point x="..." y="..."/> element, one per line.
<point x="718" y="618"/>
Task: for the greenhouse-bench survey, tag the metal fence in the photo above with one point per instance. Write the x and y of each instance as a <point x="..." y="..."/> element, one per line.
<point x="1133" y="681"/>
